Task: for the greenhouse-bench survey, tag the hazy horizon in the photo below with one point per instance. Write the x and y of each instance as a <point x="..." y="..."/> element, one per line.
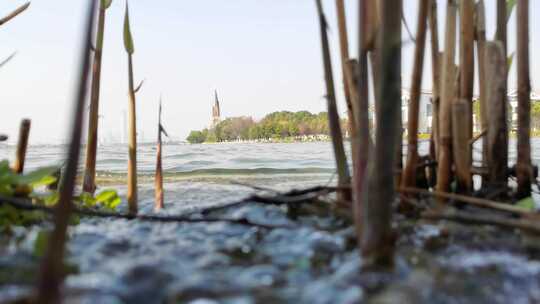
<point x="261" y="56"/>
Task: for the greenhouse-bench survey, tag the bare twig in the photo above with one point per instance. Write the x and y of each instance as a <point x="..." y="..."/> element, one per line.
<point x="474" y="201"/>
<point x="477" y="137"/>
<point x="25" y="204"/>
<point x="15" y="13"/>
<point x="254" y="187"/>
<point x="407" y="28"/>
<point x="8" y="59"/>
<point x="465" y="218"/>
<point x="139" y="86"/>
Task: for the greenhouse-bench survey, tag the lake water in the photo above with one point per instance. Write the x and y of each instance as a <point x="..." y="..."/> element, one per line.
<point x="123" y="261"/>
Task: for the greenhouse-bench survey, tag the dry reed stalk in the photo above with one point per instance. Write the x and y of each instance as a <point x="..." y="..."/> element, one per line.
<point x="22" y="145"/>
<point x="524" y="170"/>
<point x="344" y="52"/>
<point x="132" y="162"/>
<point x="497" y="133"/>
<point x="398" y="147"/>
<point x="435" y="73"/>
<point x="159" y="199"/>
<point x="15" y="13"/>
<point x="378" y="239"/>
<point x="409" y="173"/>
<point x="444" y="173"/>
<point x="361" y="107"/>
<point x="89" y="184"/>
<point x="52" y="267"/>
<point x="373" y="42"/>
<point x="466" y="60"/>
<point x="463" y="131"/>
<point x="501" y="31"/>
<point x="473" y="201"/>
<point x="462" y="217"/>
<point x="460" y="145"/>
<point x="333" y="117"/>
<point x="480" y="27"/>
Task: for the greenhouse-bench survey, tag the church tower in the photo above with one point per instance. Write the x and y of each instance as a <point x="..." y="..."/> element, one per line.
<point x="216" y="112"/>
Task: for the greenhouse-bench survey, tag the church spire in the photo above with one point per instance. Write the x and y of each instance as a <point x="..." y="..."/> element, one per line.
<point x="216" y="111"/>
<point x="216" y="103"/>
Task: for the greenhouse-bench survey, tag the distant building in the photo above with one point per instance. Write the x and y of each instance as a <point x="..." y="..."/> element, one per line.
<point x="425" y="113"/>
<point x="216" y="112"/>
<point x="513" y="101"/>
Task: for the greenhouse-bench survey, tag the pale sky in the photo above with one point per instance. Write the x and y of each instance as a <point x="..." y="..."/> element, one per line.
<point x="261" y="55"/>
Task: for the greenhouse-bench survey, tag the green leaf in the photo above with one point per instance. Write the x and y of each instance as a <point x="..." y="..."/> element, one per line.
<point x="106" y="195"/>
<point x="51" y="199"/>
<point x="106" y="3"/>
<point x="6" y="189"/>
<point x="128" y="38"/>
<point x="510" y="60"/>
<point x="109" y="199"/>
<point x="40" y="243"/>
<point x="112" y="204"/>
<point x="510" y="4"/>
<point x="86" y="199"/>
<point x="40" y="177"/>
<point x="7" y="178"/>
<point x="4" y="165"/>
<point x="527" y="204"/>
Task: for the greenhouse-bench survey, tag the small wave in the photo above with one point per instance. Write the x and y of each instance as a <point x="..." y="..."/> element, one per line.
<point x="110" y="176"/>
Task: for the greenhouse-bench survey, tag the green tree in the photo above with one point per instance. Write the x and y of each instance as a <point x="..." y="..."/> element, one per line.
<point x="196" y="137"/>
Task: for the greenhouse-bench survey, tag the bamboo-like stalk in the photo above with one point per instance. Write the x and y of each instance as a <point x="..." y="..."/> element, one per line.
<point x="482" y="81"/>
<point x="497" y="133"/>
<point x="409" y="173"/>
<point x="373" y="43"/>
<point x="52" y="266"/>
<point x="15" y="13"/>
<point x="466" y="60"/>
<point x="89" y="184"/>
<point x="377" y="241"/>
<point x="132" y="124"/>
<point x="524" y="170"/>
<point x="435" y="74"/>
<point x="501" y="31"/>
<point x="344" y="52"/>
<point x="333" y="117"/>
<point x="460" y="145"/>
<point x="463" y="131"/>
<point x="361" y="107"/>
<point x="447" y="84"/>
<point x="22" y="144"/>
<point x="398" y="147"/>
<point x="159" y="199"/>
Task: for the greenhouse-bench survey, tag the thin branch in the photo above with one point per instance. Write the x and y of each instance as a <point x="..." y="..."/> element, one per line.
<point x="407" y="27"/>
<point x="8" y="59"/>
<point x="477" y="137"/>
<point x="139" y="86"/>
<point x="474" y="201"/>
<point x="254" y="187"/>
<point x="25" y="204"/>
<point x="465" y="218"/>
<point x="15" y="13"/>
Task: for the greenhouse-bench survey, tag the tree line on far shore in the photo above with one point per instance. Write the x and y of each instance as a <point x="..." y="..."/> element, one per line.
<point x="276" y="125"/>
